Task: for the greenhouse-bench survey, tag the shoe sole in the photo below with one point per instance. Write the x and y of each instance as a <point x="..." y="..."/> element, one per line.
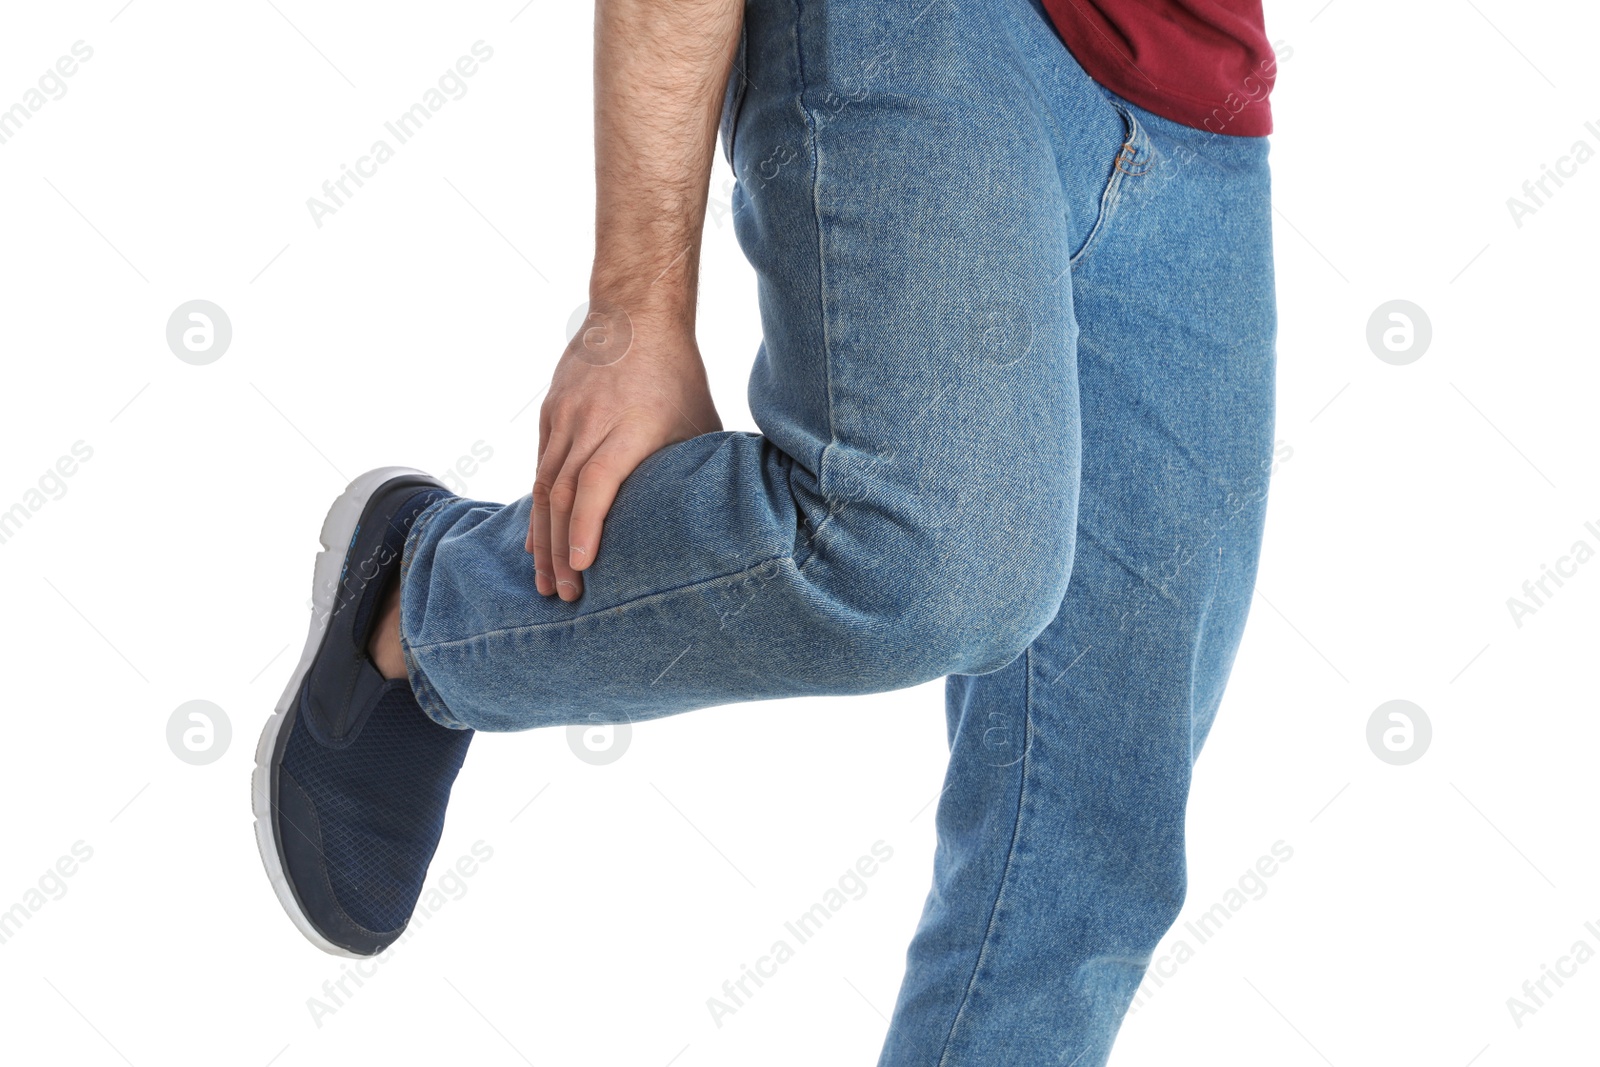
<point x="338" y="528"/>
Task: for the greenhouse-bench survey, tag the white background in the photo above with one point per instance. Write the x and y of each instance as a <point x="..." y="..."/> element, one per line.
<point x="425" y="316"/>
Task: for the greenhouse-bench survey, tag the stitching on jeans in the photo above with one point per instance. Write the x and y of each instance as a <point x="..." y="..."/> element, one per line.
<point x="433" y="705"/>
<point x="822" y="279"/>
<point x="1005" y="874"/>
<point x="438" y="646"/>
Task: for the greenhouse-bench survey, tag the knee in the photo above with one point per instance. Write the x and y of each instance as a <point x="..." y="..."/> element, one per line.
<point x="951" y="559"/>
<point x="1000" y="606"/>
<point x="974" y="607"/>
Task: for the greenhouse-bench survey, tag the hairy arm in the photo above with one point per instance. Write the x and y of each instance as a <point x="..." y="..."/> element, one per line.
<point x="631" y="381"/>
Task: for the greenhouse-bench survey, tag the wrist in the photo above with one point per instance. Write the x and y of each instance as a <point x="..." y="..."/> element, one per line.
<point x="651" y="328"/>
<point x="663" y="294"/>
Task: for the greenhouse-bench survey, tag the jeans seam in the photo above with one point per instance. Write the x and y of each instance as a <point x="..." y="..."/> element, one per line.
<point x="1011" y="849"/>
<point x="428" y="699"/>
<point x="437" y="646"/>
<point x="822" y="276"/>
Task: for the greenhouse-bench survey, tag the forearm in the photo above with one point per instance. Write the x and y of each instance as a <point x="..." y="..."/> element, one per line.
<point x="660" y="69"/>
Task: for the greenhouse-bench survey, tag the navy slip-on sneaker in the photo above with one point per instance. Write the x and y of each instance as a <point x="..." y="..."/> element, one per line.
<point x="352" y="778"/>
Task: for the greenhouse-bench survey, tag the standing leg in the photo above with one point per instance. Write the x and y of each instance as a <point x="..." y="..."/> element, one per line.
<point x="1060" y="860"/>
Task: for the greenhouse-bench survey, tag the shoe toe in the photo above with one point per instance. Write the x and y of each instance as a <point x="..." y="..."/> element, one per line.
<point x="359" y="824"/>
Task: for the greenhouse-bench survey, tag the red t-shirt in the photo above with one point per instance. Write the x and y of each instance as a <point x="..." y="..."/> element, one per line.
<point x="1204" y="63"/>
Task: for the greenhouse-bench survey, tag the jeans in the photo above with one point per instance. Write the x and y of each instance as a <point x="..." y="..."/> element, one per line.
<point x="1015" y="395"/>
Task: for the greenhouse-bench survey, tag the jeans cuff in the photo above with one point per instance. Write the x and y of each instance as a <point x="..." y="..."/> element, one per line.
<point x="433" y="706"/>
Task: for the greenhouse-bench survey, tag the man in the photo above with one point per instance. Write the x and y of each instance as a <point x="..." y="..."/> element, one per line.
<point x="1015" y="399"/>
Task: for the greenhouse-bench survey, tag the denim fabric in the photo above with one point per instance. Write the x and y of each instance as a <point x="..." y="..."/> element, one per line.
<point x="1015" y="396"/>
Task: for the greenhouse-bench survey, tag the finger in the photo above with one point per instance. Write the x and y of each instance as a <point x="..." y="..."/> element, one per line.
<point x="563" y="494"/>
<point x="545" y="431"/>
<point x="538" y="540"/>
<point x="598" y="483"/>
<point x="544" y="435"/>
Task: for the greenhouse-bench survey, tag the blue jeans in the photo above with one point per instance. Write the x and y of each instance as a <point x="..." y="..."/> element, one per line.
<point x="1016" y="402"/>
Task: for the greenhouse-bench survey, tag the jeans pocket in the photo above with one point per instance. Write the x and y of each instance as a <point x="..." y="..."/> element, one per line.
<point x="1132" y="160"/>
<point x="733" y="96"/>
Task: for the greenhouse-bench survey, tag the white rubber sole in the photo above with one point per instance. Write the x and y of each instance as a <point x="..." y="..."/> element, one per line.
<point x="337" y="530"/>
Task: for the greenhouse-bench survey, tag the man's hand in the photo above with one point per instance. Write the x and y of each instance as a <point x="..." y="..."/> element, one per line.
<point x="624" y="388"/>
<point x="631" y="381"/>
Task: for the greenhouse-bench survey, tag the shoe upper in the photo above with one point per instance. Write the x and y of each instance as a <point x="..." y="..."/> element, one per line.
<point x="360" y="822"/>
<point x="363" y="778"/>
<point x="342" y="682"/>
